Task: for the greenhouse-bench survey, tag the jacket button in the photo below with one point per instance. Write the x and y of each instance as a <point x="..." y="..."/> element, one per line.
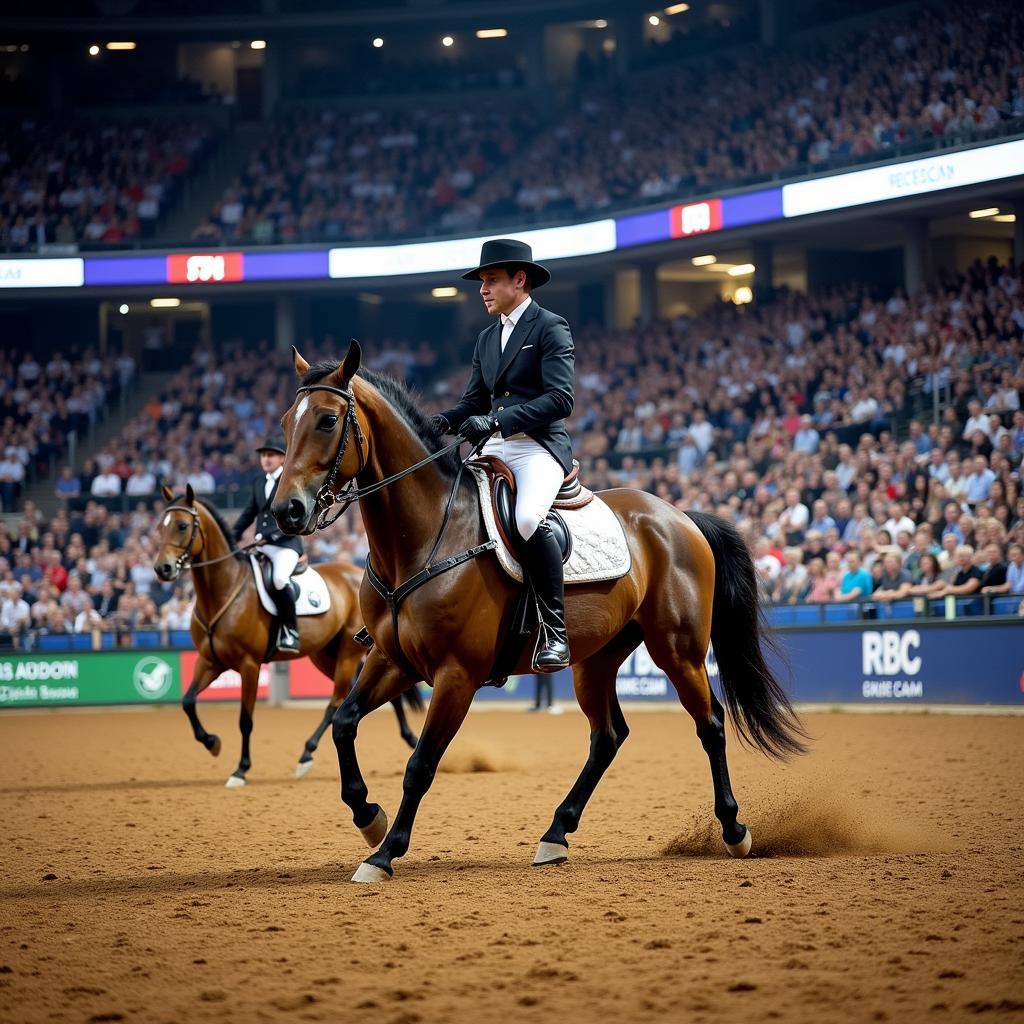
<point x="506" y="394"/>
<point x="501" y="408"/>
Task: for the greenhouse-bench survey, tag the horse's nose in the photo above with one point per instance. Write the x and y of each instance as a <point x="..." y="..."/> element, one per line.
<point x="164" y="570"/>
<point x="294" y="514"/>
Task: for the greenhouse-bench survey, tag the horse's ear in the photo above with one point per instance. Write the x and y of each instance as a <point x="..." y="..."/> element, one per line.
<point x="190" y="495"/>
<point x="167" y="493"/>
<point x="300" y="364"/>
<point x="352" y="361"/>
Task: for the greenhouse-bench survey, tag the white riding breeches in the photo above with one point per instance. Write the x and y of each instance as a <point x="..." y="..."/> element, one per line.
<point x="538" y="477"/>
<point x="283" y="560"/>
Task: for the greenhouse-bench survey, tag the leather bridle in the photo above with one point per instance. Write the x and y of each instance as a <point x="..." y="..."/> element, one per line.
<point x="326" y="497"/>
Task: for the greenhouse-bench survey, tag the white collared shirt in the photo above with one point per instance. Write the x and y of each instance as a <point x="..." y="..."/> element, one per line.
<point x="508" y="323"/>
<point x="271" y="479"/>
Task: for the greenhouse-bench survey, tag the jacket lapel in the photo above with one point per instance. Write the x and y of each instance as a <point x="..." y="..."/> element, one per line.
<point x="522" y="331"/>
<point x="265" y="501"/>
<point x="490" y="353"/>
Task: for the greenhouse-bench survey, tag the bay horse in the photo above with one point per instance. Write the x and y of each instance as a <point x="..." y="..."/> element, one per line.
<point x="231" y="629"/>
<point x="692" y="581"/>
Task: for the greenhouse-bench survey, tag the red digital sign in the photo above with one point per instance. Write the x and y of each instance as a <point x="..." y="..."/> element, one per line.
<point x="204" y="268"/>
<point x="696" y="218"/>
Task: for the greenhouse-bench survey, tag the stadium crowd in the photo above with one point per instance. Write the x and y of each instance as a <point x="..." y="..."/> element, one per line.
<point x="92" y="183"/>
<point x="419" y="169"/>
<point x="794" y="419"/>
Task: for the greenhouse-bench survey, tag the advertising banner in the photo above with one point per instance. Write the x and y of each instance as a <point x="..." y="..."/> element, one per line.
<point x="910" y="178"/>
<point x="204" y="267"/>
<point x="122" y="677"/>
<point x="227" y="686"/>
<point x="45" y="273"/>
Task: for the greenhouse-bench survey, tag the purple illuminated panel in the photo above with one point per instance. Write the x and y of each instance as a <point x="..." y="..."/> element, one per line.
<point x="284" y="266"/>
<point x="642" y="228"/>
<point x="122" y="270"/>
<point x="752" y="208"/>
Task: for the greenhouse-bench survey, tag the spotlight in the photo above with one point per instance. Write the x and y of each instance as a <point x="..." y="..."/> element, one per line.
<point x="94" y="50"/>
<point x="742" y="295"/>
<point x="165" y="303"/>
<point x="704" y="261"/>
<point x="123" y="308"/>
<point x="446" y="292"/>
<point x="378" y="42"/>
<point x="654" y="20"/>
<point x="742" y="270"/>
<point x="447" y="41"/>
<point x="258" y="44"/>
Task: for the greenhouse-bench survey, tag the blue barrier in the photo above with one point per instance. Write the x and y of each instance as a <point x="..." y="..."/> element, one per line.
<point x="933" y="661"/>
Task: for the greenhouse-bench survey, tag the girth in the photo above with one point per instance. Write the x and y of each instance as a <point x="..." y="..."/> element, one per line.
<point x="394" y="598"/>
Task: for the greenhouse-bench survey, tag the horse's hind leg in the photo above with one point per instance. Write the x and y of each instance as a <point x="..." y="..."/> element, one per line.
<point x="594" y="682"/>
<point x="343" y="671"/>
<point x="403" y="723"/>
<point x="690" y="679"/>
<point x="203" y="675"/>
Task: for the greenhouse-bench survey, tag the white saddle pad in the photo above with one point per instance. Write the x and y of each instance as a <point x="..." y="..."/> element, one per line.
<point x="314" y="597"/>
<point x="599" y="548"/>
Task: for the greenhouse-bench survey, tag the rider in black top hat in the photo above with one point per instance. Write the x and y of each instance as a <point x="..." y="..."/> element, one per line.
<point x="282" y="551"/>
<point x="520" y="390"/>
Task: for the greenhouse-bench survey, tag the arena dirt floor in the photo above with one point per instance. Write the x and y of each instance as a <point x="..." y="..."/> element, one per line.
<point x="886" y="886"/>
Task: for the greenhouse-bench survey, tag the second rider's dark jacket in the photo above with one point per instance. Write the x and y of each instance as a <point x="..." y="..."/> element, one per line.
<point x="258" y="510"/>
<point x="530" y="387"/>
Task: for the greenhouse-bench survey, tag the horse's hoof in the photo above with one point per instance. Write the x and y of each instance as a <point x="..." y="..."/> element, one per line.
<point x="375" y="832"/>
<point x="742" y="848"/>
<point x="367" y="873"/>
<point x="550" y="853"/>
<point x="235" y="782"/>
<point x="302" y="769"/>
<point x="215" y="746"/>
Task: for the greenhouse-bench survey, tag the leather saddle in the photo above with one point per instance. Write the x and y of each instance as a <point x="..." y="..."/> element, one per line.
<point x="571" y="495"/>
<point x="267" y="569"/>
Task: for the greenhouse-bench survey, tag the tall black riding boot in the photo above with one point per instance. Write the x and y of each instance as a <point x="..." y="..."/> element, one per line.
<point x="288" y="632"/>
<point x="542" y="560"/>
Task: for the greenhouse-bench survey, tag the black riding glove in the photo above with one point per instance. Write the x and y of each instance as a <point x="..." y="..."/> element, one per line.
<point x="476" y="428"/>
<point x="440" y="424"/>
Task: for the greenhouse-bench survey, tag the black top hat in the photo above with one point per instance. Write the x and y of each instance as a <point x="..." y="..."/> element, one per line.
<point x="273" y="444"/>
<point x="509" y="252"/>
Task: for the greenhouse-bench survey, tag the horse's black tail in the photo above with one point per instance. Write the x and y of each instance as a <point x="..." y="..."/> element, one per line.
<point x="757" y="704"/>
<point x="413" y="698"/>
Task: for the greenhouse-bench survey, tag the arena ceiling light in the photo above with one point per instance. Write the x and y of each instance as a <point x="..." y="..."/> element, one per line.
<point x="448" y="292"/>
<point x="94" y="50"/>
<point x="600" y="23"/>
<point x="741" y="270"/>
<point x="447" y="40"/>
<point x="653" y="19"/>
<point x="491" y="33"/>
<point x="258" y="44"/>
<point x="123" y="308"/>
<point x="704" y="261"/>
<point x="165" y="303"/>
<point x="378" y="42"/>
<point x="989" y="211"/>
<point x="123" y="45"/>
<point x="677" y="9"/>
<point x="742" y="295"/>
<point x="1006" y="218"/>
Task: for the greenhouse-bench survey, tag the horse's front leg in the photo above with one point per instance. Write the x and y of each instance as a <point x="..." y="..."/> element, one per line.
<point x="203" y="675"/>
<point x="377" y="683"/>
<point x="250" y="673"/>
<point x="448" y="707"/>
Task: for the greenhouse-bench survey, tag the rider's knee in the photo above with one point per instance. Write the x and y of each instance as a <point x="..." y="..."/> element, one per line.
<point x="527" y="522"/>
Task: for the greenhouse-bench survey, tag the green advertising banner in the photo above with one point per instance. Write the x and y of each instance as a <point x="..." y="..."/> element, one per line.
<point x="58" y="680"/>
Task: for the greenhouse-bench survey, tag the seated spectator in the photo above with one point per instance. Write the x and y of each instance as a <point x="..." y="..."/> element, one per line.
<point x="856" y="583"/>
<point x="894" y="582"/>
<point x="968" y="576"/>
<point x="930" y="582"/>
<point x="1014" y="574"/>
<point x="791" y="585"/>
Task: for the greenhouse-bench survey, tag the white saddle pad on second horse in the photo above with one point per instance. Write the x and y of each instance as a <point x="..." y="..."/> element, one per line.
<point x="313" y="598"/>
<point x="599" y="548"/>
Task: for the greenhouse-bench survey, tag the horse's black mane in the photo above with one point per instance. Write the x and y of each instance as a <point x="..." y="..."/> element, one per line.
<point x="403" y="401"/>
<point x="217" y="518"/>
